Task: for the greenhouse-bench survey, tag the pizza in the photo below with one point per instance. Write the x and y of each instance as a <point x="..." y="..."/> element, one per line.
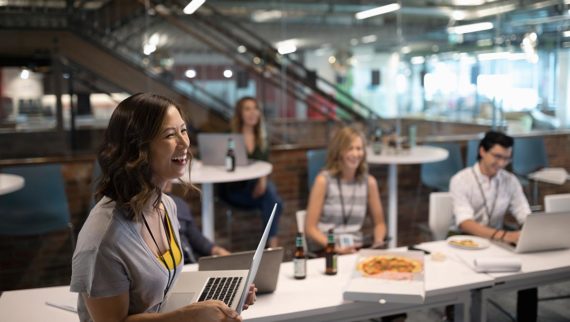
<point x="464" y="243"/>
<point x="382" y="264"/>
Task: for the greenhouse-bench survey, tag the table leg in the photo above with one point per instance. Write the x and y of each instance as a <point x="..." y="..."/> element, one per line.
<point x="208" y="210"/>
<point x="393" y="205"/>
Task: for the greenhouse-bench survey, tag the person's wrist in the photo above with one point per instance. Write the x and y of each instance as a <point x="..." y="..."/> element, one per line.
<point x="504" y="235"/>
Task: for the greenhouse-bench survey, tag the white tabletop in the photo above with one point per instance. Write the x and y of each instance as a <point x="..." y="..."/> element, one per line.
<point x="201" y="173"/>
<point x="316" y="298"/>
<point x="10" y="183"/>
<point x="532" y="263"/>
<point x="418" y="154"/>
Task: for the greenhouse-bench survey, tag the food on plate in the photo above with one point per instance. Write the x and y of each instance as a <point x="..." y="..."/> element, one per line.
<point x="388" y="266"/>
<point x="464" y="243"/>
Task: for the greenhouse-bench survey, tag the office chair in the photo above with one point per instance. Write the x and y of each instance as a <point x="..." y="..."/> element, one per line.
<point x="529" y="155"/>
<point x="34" y="219"/>
<point x="472" y="152"/>
<point x="437" y="175"/>
<point x="40" y="206"/>
<point x="440" y="214"/>
<point x="557" y="203"/>
<point x="316" y="160"/>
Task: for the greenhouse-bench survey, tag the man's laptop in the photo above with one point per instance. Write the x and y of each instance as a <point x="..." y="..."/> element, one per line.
<point x="267" y="275"/>
<point x="230" y="286"/>
<point x="213" y="148"/>
<point x="543" y="231"/>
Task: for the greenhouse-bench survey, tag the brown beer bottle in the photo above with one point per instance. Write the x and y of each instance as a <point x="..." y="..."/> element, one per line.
<point x="330" y="255"/>
<point x="299" y="259"/>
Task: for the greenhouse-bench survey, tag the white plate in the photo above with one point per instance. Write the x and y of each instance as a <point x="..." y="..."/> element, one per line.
<point x="480" y="243"/>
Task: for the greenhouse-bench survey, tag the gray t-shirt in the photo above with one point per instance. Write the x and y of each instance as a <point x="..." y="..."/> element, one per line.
<point x="111" y="258"/>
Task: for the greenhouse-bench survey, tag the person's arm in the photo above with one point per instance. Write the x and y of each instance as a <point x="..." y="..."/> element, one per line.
<point x="375" y="205"/>
<point x="474" y="228"/>
<point x="315" y="209"/>
<point x="260" y="187"/>
<point x="115" y="308"/>
<point x="518" y="204"/>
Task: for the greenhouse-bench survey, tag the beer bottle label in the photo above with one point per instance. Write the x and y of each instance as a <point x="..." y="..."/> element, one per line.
<point x="300" y="267"/>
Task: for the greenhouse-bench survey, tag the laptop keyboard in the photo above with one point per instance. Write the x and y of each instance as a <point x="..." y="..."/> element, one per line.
<point x="220" y="288"/>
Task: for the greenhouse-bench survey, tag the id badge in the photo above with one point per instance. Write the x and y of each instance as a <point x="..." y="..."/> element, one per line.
<point x="346" y="240"/>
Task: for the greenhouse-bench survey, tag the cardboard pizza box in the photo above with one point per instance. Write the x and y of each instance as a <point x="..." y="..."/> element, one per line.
<point x="370" y="283"/>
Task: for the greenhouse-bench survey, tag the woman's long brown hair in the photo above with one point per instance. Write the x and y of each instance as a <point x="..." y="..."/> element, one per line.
<point x="124" y="156"/>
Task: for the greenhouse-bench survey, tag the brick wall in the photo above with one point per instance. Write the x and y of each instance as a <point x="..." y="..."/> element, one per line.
<point x="39" y="261"/>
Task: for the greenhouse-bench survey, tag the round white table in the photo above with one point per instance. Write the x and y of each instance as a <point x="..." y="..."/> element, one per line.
<point x="416" y="155"/>
<point x="10" y="183"/>
<point x="208" y="175"/>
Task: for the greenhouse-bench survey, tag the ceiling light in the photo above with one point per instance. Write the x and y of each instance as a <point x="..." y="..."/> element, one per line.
<point x="256" y="60"/>
<point x="354" y="41"/>
<point x="566" y="33"/>
<point x="470" y="28"/>
<point x="228" y="73"/>
<point x="377" y="11"/>
<point x="192" y="6"/>
<point x="241" y="49"/>
<point x="368" y="39"/>
<point x="286" y="47"/>
<point x="405" y="50"/>
<point x="417" y="60"/>
<point x="332" y="60"/>
<point x="25" y="74"/>
<point x="458" y="15"/>
<point x="266" y="15"/>
<point x="190" y="73"/>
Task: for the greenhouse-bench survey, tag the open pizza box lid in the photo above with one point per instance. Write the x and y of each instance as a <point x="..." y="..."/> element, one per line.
<point x="387" y="287"/>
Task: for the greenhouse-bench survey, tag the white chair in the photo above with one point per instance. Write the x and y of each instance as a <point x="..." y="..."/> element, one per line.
<point x="557" y="203"/>
<point x="440" y="214"/>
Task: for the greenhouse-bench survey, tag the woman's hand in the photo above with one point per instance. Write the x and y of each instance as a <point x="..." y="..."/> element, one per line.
<point x="209" y="311"/>
<point x="260" y="187"/>
<point x="219" y="251"/>
<point x="251" y="297"/>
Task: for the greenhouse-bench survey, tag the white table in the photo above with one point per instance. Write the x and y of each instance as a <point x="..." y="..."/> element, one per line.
<point x="10" y="183"/>
<point x="208" y="175"/>
<point x="537" y="269"/>
<point x="316" y="298"/>
<point x="416" y="155"/>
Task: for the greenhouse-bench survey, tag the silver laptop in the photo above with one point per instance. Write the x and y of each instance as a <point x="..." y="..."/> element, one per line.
<point x="543" y="231"/>
<point x="230" y="286"/>
<point x="267" y="275"/>
<point x="214" y="146"/>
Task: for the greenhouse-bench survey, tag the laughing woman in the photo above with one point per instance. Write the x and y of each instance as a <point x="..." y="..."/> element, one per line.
<point x="342" y="195"/>
<point x="128" y="252"/>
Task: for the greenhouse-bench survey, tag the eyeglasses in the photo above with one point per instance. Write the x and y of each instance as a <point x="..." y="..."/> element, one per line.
<point x="501" y="157"/>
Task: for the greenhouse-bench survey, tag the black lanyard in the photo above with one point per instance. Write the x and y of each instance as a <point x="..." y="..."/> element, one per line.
<point x="166" y="225"/>
<point x="489" y="212"/>
<point x="345" y="218"/>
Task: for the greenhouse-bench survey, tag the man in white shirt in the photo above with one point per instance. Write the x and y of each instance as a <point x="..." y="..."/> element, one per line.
<point x="482" y="195"/>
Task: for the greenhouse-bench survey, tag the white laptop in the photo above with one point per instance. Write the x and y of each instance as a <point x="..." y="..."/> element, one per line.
<point x="214" y="146"/>
<point x="543" y="231"/>
<point x="229" y="286"/>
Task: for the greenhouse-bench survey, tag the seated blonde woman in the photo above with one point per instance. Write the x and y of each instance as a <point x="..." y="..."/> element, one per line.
<point x="342" y="194"/>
